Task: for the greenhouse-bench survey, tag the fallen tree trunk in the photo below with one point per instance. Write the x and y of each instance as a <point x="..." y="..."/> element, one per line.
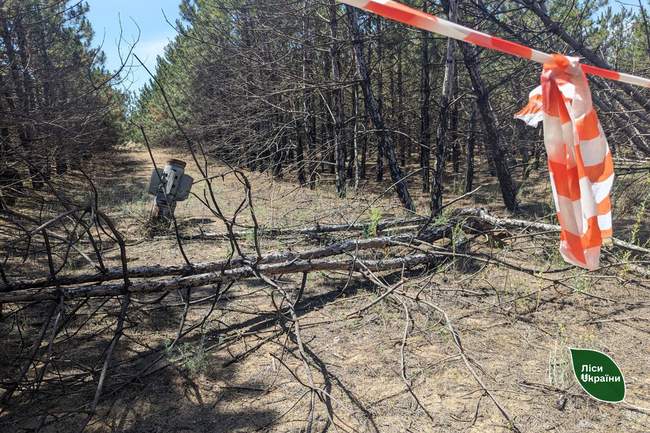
<point x="318" y="229"/>
<point x="157" y="271"/>
<point x="288" y="267"/>
<point x="483" y="215"/>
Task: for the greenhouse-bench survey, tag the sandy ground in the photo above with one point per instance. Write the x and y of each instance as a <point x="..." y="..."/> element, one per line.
<point x="237" y="372"/>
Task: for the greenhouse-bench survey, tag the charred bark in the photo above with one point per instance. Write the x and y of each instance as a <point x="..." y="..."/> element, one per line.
<point x="385" y="141"/>
<point x="442" y="137"/>
<point x="490" y="123"/>
<point x="339" y="143"/>
<point x="425" y="106"/>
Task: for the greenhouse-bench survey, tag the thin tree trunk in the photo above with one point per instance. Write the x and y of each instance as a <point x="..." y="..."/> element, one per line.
<point x="385" y="142"/>
<point x="339" y="150"/>
<point x="350" y="132"/>
<point x="380" y="97"/>
<point x="442" y="138"/>
<point x="646" y="27"/>
<point x="520" y="136"/>
<point x="425" y="106"/>
<point x="39" y="168"/>
<point x="364" y="145"/>
<point x="471" y="142"/>
<point x="498" y="153"/>
<point x="453" y="130"/>
<point x="278" y="155"/>
<point x="355" y="134"/>
<point x="400" y="109"/>
<point x="300" y="156"/>
<point x="23" y="92"/>
<point x="308" y="120"/>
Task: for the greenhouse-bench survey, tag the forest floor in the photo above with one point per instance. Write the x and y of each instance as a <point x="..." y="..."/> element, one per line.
<point x="516" y="327"/>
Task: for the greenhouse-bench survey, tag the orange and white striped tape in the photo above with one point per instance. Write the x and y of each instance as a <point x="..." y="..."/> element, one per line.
<point x="407" y="15"/>
<point x="580" y="162"/>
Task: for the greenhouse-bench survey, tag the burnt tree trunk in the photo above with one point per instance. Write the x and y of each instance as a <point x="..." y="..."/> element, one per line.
<point x="425" y="106"/>
<point x="453" y="130"/>
<point x="490" y="123"/>
<point x="442" y="137"/>
<point x="380" y="97"/>
<point x="339" y="143"/>
<point x="309" y="119"/>
<point x="471" y="143"/>
<point x="363" y="164"/>
<point x="354" y="161"/>
<point x="400" y="110"/>
<point x="385" y="141"/>
<point x="300" y="156"/>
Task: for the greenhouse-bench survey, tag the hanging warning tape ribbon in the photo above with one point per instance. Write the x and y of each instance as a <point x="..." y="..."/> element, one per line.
<point x="404" y="14"/>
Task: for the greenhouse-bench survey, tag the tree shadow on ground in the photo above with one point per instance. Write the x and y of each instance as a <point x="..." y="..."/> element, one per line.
<point x="175" y="397"/>
<point x="176" y="400"/>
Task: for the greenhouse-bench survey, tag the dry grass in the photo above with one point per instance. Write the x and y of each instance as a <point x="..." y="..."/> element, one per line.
<point x="515" y="327"/>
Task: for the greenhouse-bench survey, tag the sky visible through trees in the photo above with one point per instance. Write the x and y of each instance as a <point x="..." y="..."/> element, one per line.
<point x="371" y="239"/>
<point x="107" y="17"/>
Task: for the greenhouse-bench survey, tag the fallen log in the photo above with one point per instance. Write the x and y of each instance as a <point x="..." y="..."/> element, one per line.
<point x="483" y="215"/>
<point x="157" y="271"/>
<point x="318" y="229"/>
<point x="288" y="267"/>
